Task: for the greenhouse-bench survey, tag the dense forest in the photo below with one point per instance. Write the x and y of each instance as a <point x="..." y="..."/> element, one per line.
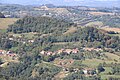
<point x="39" y="24"/>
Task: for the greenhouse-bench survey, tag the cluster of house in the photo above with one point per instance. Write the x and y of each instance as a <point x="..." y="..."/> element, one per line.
<point x="89" y="71"/>
<point x="86" y="71"/>
<point x="93" y="49"/>
<point x="67" y="51"/>
<point x="8" y="54"/>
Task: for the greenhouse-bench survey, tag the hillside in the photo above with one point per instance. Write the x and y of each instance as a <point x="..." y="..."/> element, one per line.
<point x="59" y="43"/>
<point x="39" y="24"/>
<point x="59" y="31"/>
<point x="48" y="48"/>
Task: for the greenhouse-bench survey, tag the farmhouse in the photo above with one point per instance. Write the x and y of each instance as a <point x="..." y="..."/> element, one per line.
<point x="2" y="51"/>
<point x="9" y="52"/>
<point x="60" y="51"/>
<point x="12" y="55"/>
<point x="42" y="52"/>
<point x="93" y="49"/>
<point x="30" y="41"/>
<point x="89" y="71"/>
<point x="47" y="53"/>
<point x="67" y="51"/>
<point x="75" y="50"/>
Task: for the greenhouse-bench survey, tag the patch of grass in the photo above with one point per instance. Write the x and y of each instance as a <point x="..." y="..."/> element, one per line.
<point x="107" y="70"/>
<point x="106" y="77"/>
<point x="94" y="24"/>
<point x="26" y="35"/>
<point x="113" y="57"/>
<point x="93" y="63"/>
<point x="114" y="34"/>
<point x="4" y="22"/>
<point x="70" y="30"/>
<point x="14" y="48"/>
<point x="3" y="30"/>
<point x="78" y="64"/>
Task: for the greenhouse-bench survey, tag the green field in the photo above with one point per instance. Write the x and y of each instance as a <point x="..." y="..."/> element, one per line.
<point x="106" y="77"/>
<point x="115" y="34"/>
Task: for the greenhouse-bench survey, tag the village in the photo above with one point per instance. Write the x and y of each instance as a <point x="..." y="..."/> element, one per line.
<point x="10" y="55"/>
<point x="69" y="51"/>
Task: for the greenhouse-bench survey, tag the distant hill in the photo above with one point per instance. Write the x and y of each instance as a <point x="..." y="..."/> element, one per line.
<point x="50" y="5"/>
<point x="1" y="15"/>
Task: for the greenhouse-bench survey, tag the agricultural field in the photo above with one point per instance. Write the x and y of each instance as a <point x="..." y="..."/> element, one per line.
<point x="111" y="29"/>
<point x="111" y="58"/>
<point x="96" y="24"/>
<point x="100" y="13"/>
<point x="70" y="30"/>
<point x="4" y="22"/>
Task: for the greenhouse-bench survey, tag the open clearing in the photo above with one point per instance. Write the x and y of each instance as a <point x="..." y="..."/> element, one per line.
<point x="112" y="29"/>
<point x="63" y="62"/>
<point x="113" y="56"/>
<point x="4" y="22"/>
<point x="100" y="13"/>
<point x="95" y="24"/>
<point x="106" y="77"/>
<point x="93" y="63"/>
<point x="61" y="75"/>
<point x="71" y="30"/>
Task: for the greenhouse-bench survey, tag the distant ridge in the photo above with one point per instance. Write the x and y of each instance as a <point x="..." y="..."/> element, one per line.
<point x="50" y="3"/>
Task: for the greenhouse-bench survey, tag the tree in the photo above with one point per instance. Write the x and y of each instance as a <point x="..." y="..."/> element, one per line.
<point x="1" y="61"/>
<point x="1" y="15"/>
<point x="100" y="68"/>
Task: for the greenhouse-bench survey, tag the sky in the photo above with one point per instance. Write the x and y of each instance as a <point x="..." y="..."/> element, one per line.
<point x="105" y="3"/>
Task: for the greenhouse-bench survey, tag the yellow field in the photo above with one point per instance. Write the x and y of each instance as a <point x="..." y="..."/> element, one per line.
<point x="100" y="13"/>
<point x="4" y="22"/>
<point x="71" y="30"/>
<point x="112" y="29"/>
<point x="95" y="24"/>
